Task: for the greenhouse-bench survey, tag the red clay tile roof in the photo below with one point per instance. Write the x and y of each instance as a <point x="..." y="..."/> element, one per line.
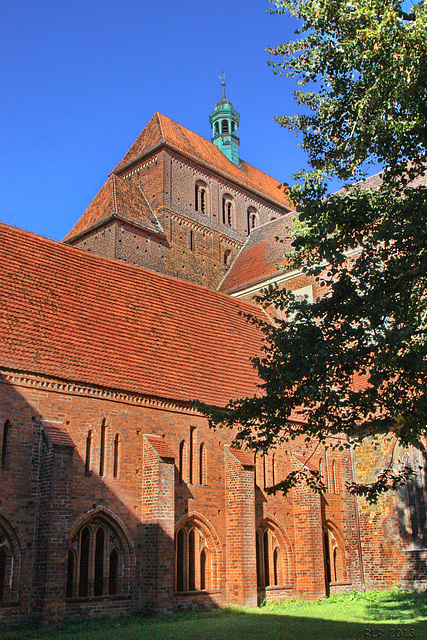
<point x="257" y="260"/>
<point x="117" y="199"/>
<point x="160" y="446"/>
<point x="57" y="434"/>
<point x="246" y="458"/>
<point x="304" y="462"/>
<point x="162" y="131"/>
<point x="68" y="314"/>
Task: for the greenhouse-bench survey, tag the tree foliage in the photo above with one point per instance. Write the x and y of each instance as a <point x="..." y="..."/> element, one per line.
<point x="352" y="364"/>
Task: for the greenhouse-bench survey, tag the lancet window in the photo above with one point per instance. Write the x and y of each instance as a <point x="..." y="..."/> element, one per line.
<point x="270" y="570"/>
<point x="95" y="561"/>
<point x="193" y="560"/>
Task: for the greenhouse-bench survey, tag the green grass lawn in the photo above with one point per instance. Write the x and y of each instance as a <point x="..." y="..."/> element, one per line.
<point x="353" y="616"/>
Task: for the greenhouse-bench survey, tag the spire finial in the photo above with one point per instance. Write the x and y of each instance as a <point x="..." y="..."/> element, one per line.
<point x="222" y="78"/>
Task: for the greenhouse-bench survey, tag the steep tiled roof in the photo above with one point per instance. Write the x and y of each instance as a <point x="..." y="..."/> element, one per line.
<point x="117" y="199"/>
<point x="246" y="458"/>
<point x="58" y="434"/>
<point x="68" y="314"/>
<point x="160" y="446"/>
<point x="161" y="130"/>
<point x="258" y="258"/>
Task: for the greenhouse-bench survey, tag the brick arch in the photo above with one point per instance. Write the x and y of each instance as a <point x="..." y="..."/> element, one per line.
<point x="335" y="552"/>
<point x="284" y="542"/>
<point x="113" y="524"/>
<point x="213" y="545"/>
<point x="13" y="548"/>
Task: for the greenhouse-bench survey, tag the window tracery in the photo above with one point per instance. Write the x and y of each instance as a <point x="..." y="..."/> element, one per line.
<point x="270" y="570"/>
<point x="95" y="561"/>
<point x="193" y="559"/>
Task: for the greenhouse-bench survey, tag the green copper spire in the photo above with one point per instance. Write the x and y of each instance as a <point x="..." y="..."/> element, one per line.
<point x="224" y="122"/>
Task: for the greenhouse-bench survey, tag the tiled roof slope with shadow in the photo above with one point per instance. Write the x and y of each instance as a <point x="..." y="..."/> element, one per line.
<point x="117" y="199"/>
<point x="260" y="256"/>
<point x="68" y="314"/>
<point x="162" y="131"/>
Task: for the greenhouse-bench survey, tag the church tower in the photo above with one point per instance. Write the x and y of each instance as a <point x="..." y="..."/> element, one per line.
<point x="224" y="122"/>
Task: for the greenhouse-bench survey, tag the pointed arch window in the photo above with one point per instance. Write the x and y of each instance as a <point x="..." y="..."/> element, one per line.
<point x="333" y="556"/>
<point x="252" y="218"/>
<point x="95" y="566"/>
<point x="193" y="559"/>
<point x="414" y="496"/>
<point x="201" y="197"/>
<point x="88" y="458"/>
<point x="5" y="445"/>
<point x="227" y="210"/>
<point x="183" y="462"/>
<point x="102" y="449"/>
<point x="270" y="569"/>
<point x="202" y="464"/>
<point x="9" y="563"/>
<point x="116" y="457"/>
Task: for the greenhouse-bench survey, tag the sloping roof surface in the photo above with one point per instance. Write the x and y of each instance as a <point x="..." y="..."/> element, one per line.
<point x="161" y="130"/>
<point x="58" y="434"/>
<point x="69" y="314"/>
<point x="116" y="199"/>
<point x="258" y="258"/>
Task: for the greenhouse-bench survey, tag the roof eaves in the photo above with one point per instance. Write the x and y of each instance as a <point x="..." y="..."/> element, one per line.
<point x="115" y="216"/>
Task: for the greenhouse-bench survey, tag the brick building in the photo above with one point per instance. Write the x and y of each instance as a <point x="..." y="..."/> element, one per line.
<point x="115" y="496"/>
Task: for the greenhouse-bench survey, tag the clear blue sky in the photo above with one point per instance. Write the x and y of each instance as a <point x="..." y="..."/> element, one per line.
<point x="81" y="79"/>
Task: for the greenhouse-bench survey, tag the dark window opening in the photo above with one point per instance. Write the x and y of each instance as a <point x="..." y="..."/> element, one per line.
<point x="94" y="561"/>
<point x="224" y="126"/>
<point x="5" y="445"/>
<point x="116" y="456"/>
<point x="84" y="563"/>
<point x="180" y="563"/>
<point x="102" y="450"/>
<point x="88" y="452"/>
<point x="70" y="573"/>
<point x="202" y="464"/>
<point x="191" y="561"/>
<point x="114" y="573"/>
<point x="3" y="558"/>
<point x="99" y="562"/>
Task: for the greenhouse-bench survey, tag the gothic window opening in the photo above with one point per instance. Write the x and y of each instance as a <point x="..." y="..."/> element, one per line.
<point x="227" y="210"/>
<point x="192" y="245"/>
<point x="202" y="464"/>
<point x="183" y="462"/>
<point x="413" y="495"/>
<point x="5" y="446"/>
<point x="102" y="449"/>
<point x="191" y="470"/>
<point x="252" y="218"/>
<point x="200" y="197"/>
<point x="227" y="255"/>
<point x="334" y="477"/>
<point x="2" y="572"/>
<point x="88" y="453"/>
<point x="9" y="564"/>
<point x="269" y="558"/>
<point x="193" y="570"/>
<point x="94" y="561"/>
<point x="116" y="456"/>
<point x="333" y="557"/>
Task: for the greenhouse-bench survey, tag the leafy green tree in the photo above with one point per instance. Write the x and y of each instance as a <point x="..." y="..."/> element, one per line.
<point x="352" y="364"/>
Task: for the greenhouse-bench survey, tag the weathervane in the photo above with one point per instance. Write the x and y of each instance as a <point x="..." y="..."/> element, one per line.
<point x="222" y="78"/>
